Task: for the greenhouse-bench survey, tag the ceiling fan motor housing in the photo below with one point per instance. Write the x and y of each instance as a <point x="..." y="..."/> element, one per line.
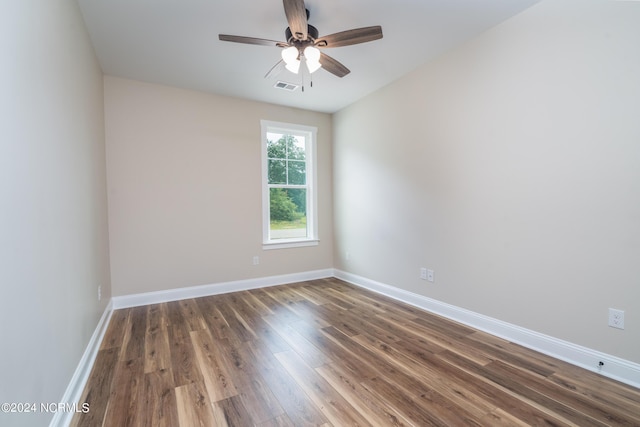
<point x="312" y="34"/>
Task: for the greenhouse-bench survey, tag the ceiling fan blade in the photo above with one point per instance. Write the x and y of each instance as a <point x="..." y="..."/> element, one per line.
<point x="296" y="17"/>
<point x="333" y="66"/>
<point x="275" y="70"/>
<point x="251" y="40"/>
<point x="349" y="37"/>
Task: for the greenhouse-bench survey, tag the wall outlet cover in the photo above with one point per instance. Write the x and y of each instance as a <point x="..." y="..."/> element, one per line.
<point x="616" y="318"/>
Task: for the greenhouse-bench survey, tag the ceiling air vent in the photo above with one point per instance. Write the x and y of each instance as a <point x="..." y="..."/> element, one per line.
<point x="286" y="86"/>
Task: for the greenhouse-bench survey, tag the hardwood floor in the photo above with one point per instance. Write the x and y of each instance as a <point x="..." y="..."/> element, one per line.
<point x="325" y="353"/>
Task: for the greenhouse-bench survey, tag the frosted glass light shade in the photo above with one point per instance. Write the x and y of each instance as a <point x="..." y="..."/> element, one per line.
<point x="290" y="57"/>
<point x="313" y="66"/>
<point x="293" y="66"/>
<point x="312" y="53"/>
<point x="312" y="56"/>
<point x="290" y="54"/>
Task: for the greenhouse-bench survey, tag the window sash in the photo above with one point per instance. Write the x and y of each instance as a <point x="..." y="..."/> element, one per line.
<point x="308" y="177"/>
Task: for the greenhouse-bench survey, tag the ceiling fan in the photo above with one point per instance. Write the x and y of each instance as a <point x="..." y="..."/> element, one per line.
<point x="303" y="42"/>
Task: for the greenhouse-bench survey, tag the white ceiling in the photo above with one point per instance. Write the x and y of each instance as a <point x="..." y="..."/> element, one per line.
<point x="175" y="42"/>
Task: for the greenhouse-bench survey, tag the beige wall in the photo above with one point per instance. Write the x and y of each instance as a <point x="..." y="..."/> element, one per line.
<point x="184" y="183"/>
<point x="510" y="166"/>
<point x="53" y="213"/>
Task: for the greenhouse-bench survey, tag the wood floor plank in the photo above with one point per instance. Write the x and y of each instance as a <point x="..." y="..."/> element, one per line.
<point x="312" y="297"/>
<point x="96" y="393"/>
<point x="470" y="404"/>
<point x="193" y="406"/>
<point x="337" y="410"/>
<point x="404" y="403"/>
<point x="500" y="418"/>
<point x="310" y="353"/>
<point x="157" y="355"/>
<point x="192" y="315"/>
<point x="358" y="321"/>
<point x="239" y="330"/>
<point x="536" y="388"/>
<point x="279" y="421"/>
<point x="504" y="398"/>
<point x="360" y="354"/>
<point x="496" y="348"/>
<point x="335" y="351"/>
<point x="299" y="409"/>
<point x="256" y="303"/>
<point x="177" y="326"/>
<point x="213" y="365"/>
<point x="126" y="394"/>
<point x="308" y="312"/>
<point x="334" y="300"/>
<point x="257" y="397"/>
<point x="231" y="413"/>
<point x="184" y="364"/>
<point x="278" y="308"/>
<point x="388" y="304"/>
<point x="135" y="333"/>
<point x="216" y="323"/>
<point x="511" y="353"/>
<point x="259" y="401"/>
<point x="339" y="319"/>
<point x="283" y="294"/>
<point x="402" y="332"/>
<point x="355" y="300"/>
<point x="159" y="405"/>
<point x="375" y="410"/>
<point x="617" y="397"/>
<point x="254" y="321"/>
<point x="414" y="330"/>
<point x="114" y="335"/>
<point x="326" y="353"/>
<point x="448" y="400"/>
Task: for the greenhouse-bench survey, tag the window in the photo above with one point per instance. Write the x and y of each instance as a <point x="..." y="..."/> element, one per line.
<point x="288" y="185"/>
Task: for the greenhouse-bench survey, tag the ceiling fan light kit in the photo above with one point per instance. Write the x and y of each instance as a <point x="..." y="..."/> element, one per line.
<point x="303" y="41"/>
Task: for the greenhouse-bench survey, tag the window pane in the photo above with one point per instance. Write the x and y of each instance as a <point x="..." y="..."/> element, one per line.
<point x="281" y="146"/>
<point x="276" y="146"/>
<point x="287" y="213"/>
<point x="299" y="198"/>
<point x="297" y="175"/>
<point x="295" y="148"/>
<point x="277" y="172"/>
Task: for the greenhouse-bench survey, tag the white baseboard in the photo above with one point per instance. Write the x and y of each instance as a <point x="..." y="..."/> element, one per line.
<point x="614" y="367"/>
<point x="74" y="390"/>
<point x="135" y="300"/>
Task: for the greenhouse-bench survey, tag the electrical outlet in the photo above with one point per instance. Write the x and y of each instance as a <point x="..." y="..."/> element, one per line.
<point x="430" y="275"/>
<point x="347" y="255"/>
<point x="616" y="318"/>
<point x="423" y="273"/>
<point x="256" y="260"/>
<point x="99" y="292"/>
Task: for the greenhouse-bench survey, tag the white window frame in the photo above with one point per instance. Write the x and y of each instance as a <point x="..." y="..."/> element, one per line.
<point x="309" y="133"/>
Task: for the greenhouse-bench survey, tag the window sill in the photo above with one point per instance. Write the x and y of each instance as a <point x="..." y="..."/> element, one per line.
<point x="285" y="244"/>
